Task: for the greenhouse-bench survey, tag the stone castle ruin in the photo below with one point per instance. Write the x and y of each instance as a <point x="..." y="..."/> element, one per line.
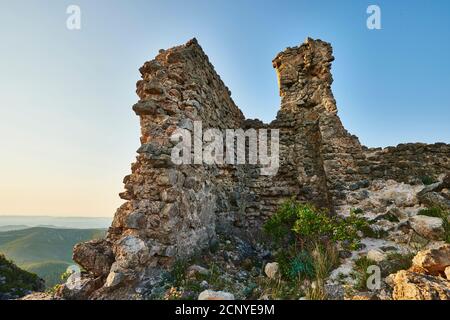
<point x="173" y="211"/>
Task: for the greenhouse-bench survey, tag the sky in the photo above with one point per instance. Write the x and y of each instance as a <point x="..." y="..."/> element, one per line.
<point x="67" y="130"/>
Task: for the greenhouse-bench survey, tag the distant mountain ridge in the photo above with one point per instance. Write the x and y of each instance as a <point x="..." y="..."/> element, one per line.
<point x="13" y="227"/>
<point x="53" y="222"/>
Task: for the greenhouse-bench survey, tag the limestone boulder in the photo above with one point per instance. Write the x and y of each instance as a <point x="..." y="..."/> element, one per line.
<point x="78" y="287"/>
<point x="131" y="251"/>
<point x="376" y="255"/>
<point x="433" y="261"/>
<point x="195" y="270"/>
<point x="272" y="270"/>
<point x="215" y="295"/>
<point x="416" y="286"/>
<point x="429" y="227"/>
<point x="94" y="256"/>
<point x="434" y="199"/>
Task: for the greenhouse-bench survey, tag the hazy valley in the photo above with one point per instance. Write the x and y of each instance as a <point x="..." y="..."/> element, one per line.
<point x="43" y="245"/>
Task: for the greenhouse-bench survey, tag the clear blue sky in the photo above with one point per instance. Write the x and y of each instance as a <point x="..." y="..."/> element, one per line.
<point x="67" y="130"/>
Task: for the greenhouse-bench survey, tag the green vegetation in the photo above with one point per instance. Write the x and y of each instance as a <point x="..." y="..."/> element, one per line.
<point x="432" y="212"/>
<point x="178" y="273"/>
<point x="307" y="237"/>
<point x="325" y="258"/>
<point x="360" y="272"/>
<point x="427" y="180"/>
<point x="303" y="224"/>
<point x="357" y="211"/>
<point x="178" y="286"/>
<point x="302" y="263"/>
<point x="280" y="289"/>
<point x="50" y="271"/>
<point x="44" y="251"/>
<point x="439" y="213"/>
<point x="15" y="282"/>
<point x="375" y="233"/>
<point x="396" y="262"/>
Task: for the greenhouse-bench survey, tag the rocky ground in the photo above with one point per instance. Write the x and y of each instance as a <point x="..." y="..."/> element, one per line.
<point x="405" y="242"/>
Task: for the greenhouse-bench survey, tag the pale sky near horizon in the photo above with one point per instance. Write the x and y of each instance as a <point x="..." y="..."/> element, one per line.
<point x="68" y="134"/>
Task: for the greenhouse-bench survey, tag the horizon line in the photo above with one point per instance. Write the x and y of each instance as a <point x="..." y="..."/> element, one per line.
<point x="52" y="216"/>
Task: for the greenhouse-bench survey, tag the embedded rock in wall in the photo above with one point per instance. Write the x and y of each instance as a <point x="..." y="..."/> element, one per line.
<point x="174" y="211"/>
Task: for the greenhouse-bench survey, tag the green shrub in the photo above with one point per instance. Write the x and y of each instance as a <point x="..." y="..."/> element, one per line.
<point x="301" y="265"/>
<point x="432" y="212"/>
<point x="357" y="211"/>
<point x="178" y="272"/>
<point x="427" y="180"/>
<point x="307" y="239"/>
<point x="279" y="226"/>
<point x="304" y="225"/>
<point x="312" y="224"/>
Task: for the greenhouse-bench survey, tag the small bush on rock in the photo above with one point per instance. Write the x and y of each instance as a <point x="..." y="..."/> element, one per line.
<point x="427" y="180"/>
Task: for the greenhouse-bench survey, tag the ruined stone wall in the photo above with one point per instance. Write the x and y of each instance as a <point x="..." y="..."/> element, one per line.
<point x="407" y="162"/>
<point x="173" y="211"/>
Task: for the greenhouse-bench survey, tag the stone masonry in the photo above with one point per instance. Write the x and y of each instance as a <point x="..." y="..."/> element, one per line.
<point x="173" y="211"/>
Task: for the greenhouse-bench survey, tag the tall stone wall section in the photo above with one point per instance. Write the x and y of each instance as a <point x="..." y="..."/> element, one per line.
<point x="325" y="154"/>
<point x="173" y="211"/>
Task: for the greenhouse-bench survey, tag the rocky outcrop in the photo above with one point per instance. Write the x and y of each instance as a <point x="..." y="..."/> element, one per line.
<point x="433" y="261"/>
<point x="426" y="279"/>
<point x="174" y="211"/>
<point x="95" y="256"/>
<point x="416" y="286"/>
